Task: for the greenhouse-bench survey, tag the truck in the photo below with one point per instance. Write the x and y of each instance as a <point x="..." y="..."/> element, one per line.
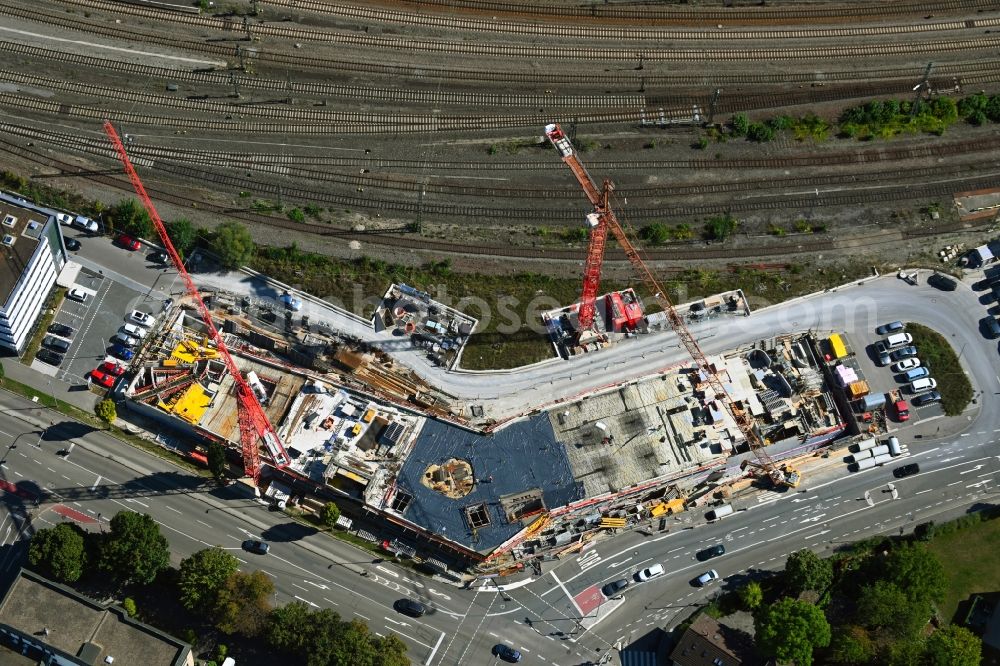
<point x="870" y="402"/>
<point x="858" y="389"/>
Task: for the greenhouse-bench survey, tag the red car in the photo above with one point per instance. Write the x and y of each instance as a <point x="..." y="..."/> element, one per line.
<point x="102" y="378"/>
<point x="128" y="242"/>
<point x="902" y="411"/>
<point x="110" y="368"/>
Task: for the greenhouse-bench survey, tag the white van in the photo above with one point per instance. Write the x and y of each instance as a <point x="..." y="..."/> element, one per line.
<point x="135" y="331"/>
<point x="721" y="512"/>
<point x="925" y="384"/>
<point x="898" y="340"/>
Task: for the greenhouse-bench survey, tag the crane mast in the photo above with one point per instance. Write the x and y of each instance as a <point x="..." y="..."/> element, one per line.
<point x="253" y="422"/>
<point x="608" y="221"/>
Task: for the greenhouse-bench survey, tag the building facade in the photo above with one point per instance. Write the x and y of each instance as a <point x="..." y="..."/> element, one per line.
<point x="33" y="254"/>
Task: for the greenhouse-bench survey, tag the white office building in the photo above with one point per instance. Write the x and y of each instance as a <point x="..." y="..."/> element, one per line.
<point x="33" y="254"/>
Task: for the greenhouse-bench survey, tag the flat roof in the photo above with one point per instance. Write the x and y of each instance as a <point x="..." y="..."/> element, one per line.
<point x="521" y="457"/>
<point x="14" y="258"/>
<point x="34" y="604"/>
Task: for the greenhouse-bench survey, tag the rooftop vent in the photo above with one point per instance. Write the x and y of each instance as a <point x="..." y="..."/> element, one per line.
<point x="8" y="240"/>
<point x="33" y="225"/>
<point x="9" y="220"/>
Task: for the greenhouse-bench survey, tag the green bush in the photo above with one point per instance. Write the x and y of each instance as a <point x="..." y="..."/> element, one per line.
<point x="106" y="411"/>
<point x="655" y="233"/>
<point x="739" y="124"/>
<point x="129" y="605"/>
<point x="719" y="228"/>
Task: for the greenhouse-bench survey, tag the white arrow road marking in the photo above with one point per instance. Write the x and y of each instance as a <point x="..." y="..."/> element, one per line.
<point x="615" y="565"/>
<point x="974" y="469"/>
<point x="388" y="571"/>
<point x="813" y="519"/>
<point x="978" y="483"/>
<point x="816" y="535"/>
<point x="322" y="587"/>
<point x="306" y="601"/>
<point x="402" y="624"/>
<point x="438" y="594"/>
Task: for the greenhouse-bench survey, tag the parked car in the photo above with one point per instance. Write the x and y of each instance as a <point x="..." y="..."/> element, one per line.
<point x="57" y="344"/>
<point x="906" y="364"/>
<point x="49" y="356"/>
<point x="709" y="553"/>
<point x="614" y="587"/>
<point x="121" y="351"/>
<point x="891" y="327"/>
<point x="159" y="257"/>
<point x="409" y="607"/>
<point x="128" y="242"/>
<point x="64" y="218"/>
<point x="927" y="398"/>
<point x="124" y="339"/>
<point x="649" y="573"/>
<point x="72" y="244"/>
<point x="85" y="223"/>
<point x="905" y="352"/>
<point x="77" y="295"/>
<point x="883" y="357"/>
<point x="902" y="411"/>
<point x="102" y="378"/>
<point x="141" y="318"/>
<point x="134" y="330"/>
<point x="906" y="470"/>
<point x="506" y="653"/>
<point x="61" y="330"/>
<point x="256" y="547"/>
<point x="942" y="282"/>
<point x="111" y="368"/>
<point x="708" y="577"/>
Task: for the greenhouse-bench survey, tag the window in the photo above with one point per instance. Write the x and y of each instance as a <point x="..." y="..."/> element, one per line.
<point x="9" y="220"/>
<point x="8" y="240"/>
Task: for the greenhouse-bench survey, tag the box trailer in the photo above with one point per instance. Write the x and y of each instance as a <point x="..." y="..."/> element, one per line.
<point x="870" y="402"/>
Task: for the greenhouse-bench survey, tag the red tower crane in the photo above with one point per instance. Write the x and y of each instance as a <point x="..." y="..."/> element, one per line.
<point x="254" y="424"/>
<point x="603" y="220"/>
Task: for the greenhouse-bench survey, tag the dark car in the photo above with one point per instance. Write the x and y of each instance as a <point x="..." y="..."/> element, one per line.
<point x="122" y="352"/>
<point x="906" y="470"/>
<point x="72" y="244"/>
<point x="58" y="344"/>
<point x="49" y="356"/>
<point x="942" y="282"/>
<point x="990" y="327"/>
<point x="614" y="587"/>
<point x="506" y="653"/>
<point x="158" y="257"/>
<point x="256" y="547"/>
<point x="891" y="327"/>
<point x="409" y="607"/>
<point x="709" y="553"/>
<point x="61" y="330"/>
<point x="927" y="398"/>
<point x="905" y="352"/>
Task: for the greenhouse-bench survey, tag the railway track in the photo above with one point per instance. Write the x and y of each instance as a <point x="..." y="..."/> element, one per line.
<point x="661" y="12"/>
<point x="556" y="53"/>
<point x="150" y="156"/>
<point x="375" y="15"/>
<point x="806" y="246"/>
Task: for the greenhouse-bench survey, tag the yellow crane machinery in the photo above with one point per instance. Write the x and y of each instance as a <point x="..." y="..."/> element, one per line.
<point x="602" y="221"/>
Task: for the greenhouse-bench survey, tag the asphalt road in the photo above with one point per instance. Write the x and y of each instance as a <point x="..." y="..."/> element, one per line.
<point x="558" y="618"/>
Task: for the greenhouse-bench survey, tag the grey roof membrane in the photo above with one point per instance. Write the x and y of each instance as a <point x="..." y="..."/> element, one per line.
<point x="523" y="456"/>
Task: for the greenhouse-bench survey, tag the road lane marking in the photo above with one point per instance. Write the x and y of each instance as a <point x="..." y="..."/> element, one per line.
<point x="566" y="592"/>
<point x="434" y="651"/>
<point x="306" y="601"/>
<point x="94" y="487"/>
<point x="388" y="571"/>
<point x="920" y="492"/>
<point x="173" y="509"/>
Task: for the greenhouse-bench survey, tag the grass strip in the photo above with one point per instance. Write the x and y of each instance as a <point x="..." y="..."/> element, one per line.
<point x="937" y="356"/>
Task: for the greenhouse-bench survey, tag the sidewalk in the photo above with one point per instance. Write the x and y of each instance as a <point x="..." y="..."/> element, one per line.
<point x="76" y="395"/>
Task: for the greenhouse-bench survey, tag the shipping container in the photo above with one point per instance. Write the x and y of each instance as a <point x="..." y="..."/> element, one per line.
<point x="870" y="402"/>
<point x="867" y="463"/>
<point x="857" y="389"/>
<point x="865" y="444"/>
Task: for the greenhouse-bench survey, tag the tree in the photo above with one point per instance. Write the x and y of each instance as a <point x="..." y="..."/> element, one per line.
<point x="390" y="650"/>
<point x="129" y="216"/>
<point x="217" y="460"/>
<point x="354" y="645"/>
<point x="329" y="514"/>
<point x="129" y="605"/>
<point x="287" y="627"/>
<point x="917" y="572"/>
<point x="885" y="605"/>
<point x="790" y="629"/>
<point x="751" y="595"/>
<point x="106" y="411"/>
<point x="59" y="552"/>
<point x="233" y="244"/>
<point x="243" y="603"/>
<point x="202" y="575"/>
<point x="719" y="228"/>
<point x="183" y="235"/>
<point x="134" y="551"/>
<point x="805" y="570"/>
<point x="852" y="645"/>
<point x="953" y="645"/>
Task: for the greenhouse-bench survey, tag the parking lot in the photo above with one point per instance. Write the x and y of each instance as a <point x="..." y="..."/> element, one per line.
<point x="883" y="380"/>
<point x="94" y="323"/>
